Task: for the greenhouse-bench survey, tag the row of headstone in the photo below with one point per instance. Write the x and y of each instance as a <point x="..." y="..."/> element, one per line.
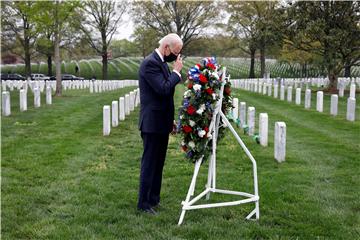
<point x="240" y="115"/>
<point x="267" y="88"/>
<point x="6" y="106"/>
<point x="93" y="85"/>
<point x="98" y="86"/>
<point x="119" y="110"/>
<point x="264" y="85"/>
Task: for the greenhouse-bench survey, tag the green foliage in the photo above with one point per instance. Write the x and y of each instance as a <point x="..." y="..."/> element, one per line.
<point x="124" y="48"/>
<point x="329" y="29"/>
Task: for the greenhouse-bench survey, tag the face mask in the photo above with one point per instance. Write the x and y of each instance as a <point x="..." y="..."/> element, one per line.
<point x="172" y="57"/>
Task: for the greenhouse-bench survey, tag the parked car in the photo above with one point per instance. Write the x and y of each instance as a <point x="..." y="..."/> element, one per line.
<point x="11" y="76"/>
<point x="67" y="77"/>
<point x="39" y="76"/>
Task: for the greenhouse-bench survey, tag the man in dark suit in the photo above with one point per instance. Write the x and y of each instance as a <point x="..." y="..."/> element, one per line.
<point x="157" y="85"/>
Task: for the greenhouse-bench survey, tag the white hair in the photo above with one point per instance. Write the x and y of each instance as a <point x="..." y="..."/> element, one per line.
<point x="171" y="39"/>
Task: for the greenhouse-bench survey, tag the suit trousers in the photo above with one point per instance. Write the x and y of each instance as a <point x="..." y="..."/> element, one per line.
<point x="152" y="163"/>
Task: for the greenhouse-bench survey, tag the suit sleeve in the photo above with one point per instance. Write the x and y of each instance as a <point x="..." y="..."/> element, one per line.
<point x="158" y="82"/>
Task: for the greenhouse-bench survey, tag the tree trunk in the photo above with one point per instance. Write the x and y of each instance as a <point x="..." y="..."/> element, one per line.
<point x="252" y="63"/>
<point x="104" y="66"/>
<point x="104" y="55"/>
<point x="49" y="63"/>
<point x="347" y="69"/>
<point x="57" y="52"/>
<point x="333" y="82"/>
<point x="262" y="61"/>
<point x="27" y="56"/>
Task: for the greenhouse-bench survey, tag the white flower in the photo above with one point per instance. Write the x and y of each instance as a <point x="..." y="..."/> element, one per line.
<point x="201" y="109"/>
<point x="192" y="123"/>
<point x="197" y="87"/>
<point x="191" y="144"/>
<point x="187" y="93"/>
<point x="201" y="133"/>
<point x="183" y="143"/>
<point x="181" y="116"/>
<point x="214" y="96"/>
<point x="215" y="75"/>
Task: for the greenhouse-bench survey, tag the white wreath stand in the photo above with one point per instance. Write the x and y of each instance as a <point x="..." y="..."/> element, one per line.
<point x="188" y="204"/>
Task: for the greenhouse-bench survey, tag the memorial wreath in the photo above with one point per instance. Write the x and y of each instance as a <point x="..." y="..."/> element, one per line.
<point x="203" y="87"/>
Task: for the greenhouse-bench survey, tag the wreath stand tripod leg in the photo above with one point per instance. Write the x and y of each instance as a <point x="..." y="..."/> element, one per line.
<point x="191" y="190"/>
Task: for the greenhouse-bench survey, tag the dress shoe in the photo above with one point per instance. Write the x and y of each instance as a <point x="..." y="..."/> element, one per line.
<point x="156" y="205"/>
<point x="150" y="211"/>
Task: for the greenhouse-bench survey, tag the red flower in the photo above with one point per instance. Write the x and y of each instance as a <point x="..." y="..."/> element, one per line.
<point x="198" y="65"/>
<point x="227" y="90"/>
<point x="209" y="91"/>
<point x="190" y="85"/>
<point x="184" y="148"/>
<point x="210" y="65"/>
<point x="203" y="79"/>
<point x="187" y="129"/>
<point x="206" y="129"/>
<point x="191" y="110"/>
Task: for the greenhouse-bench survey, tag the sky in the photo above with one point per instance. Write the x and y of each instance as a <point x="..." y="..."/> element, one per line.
<point x="125" y="29"/>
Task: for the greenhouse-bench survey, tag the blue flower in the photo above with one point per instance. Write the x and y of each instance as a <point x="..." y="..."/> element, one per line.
<point x="186" y="103"/>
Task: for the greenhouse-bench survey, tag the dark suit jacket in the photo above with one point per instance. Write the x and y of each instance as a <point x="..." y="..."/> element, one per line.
<point x="157" y="86"/>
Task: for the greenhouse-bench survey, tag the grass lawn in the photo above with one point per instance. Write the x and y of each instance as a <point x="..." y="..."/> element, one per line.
<point x="61" y="179"/>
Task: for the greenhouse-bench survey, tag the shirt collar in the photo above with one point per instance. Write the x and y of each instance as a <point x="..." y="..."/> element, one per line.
<point x="160" y="55"/>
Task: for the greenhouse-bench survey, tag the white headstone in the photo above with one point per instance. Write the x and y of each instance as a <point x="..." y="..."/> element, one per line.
<point x="334" y="105"/>
<point x="263" y="129"/>
<point x="351" y="106"/>
<point x="132" y="101"/>
<point x="106" y="120"/>
<point x="276" y="89"/>
<point x="282" y="92"/>
<point x="37" y="99"/>
<point x="6" y="111"/>
<point x="23" y="100"/>
<point x="341" y="90"/>
<point x="115" y="113"/>
<point x="319" y="101"/>
<point x="251" y="120"/>
<point x="235" y="110"/>
<point x="308" y="99"/>
<point x="127" y="104"/>
<point x="91" y="86"/>
<point x="264" y="88"/>
<point x="242" y="112"/>
<point x="289" y="94"/>
<point x="121" y="108"/>
<point x="269" y="90"/>
<point x="48" y="95"/>
<point x="352" y="90"/>
<point x="280" y="141"/>
<point x="298" y="96"/>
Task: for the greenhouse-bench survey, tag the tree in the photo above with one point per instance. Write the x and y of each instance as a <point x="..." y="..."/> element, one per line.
<point x="242" y="24"/>
<point x="334" y="28"/>
<point x="102" y="19"/>
<point x="146" y="39"/>
<point x="186" y="18"/>
<point x="56" y="16"/>
<point x="260" y="24"/>
<point x="18" y="29"/>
